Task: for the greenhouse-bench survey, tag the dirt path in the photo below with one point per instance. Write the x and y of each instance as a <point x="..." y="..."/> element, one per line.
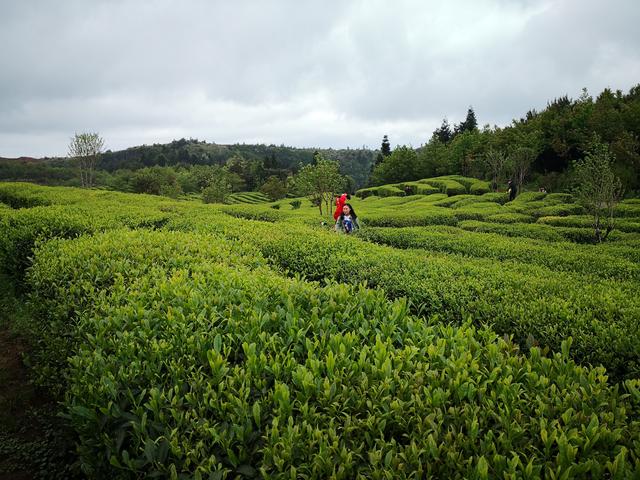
<point x="34" y="443"/>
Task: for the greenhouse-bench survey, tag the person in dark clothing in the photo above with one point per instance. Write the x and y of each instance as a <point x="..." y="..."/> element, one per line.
<point x="512" y="191"/>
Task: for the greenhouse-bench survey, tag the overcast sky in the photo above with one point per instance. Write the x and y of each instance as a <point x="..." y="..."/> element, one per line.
<point x="301" y="73"/>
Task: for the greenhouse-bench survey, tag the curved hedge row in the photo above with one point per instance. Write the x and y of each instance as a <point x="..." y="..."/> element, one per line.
<point x="584" y="259"/>
<point x="518" y="299"/>
<point x="220" y="369"/>
<point x="62" y="287"/>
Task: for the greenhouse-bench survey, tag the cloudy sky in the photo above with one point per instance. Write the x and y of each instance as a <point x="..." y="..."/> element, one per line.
<point x="296" y="72"/>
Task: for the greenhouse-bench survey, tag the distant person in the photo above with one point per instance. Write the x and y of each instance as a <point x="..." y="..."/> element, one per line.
<point x="512" y="191"/>
<point x="347" y="222"/>
<point x="340" y="201"/>
<point x="542" y="190"/>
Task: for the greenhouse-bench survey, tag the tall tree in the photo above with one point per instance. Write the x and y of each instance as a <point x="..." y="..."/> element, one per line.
<point x="320" y="182"/>
<point x="470" y="123"/>
<point x="598" y="189"/>
<point x="86" y="148"/>
<point x="400" y="166"/>
<point x="495" y="160"/>
<point x="444" y="133"/>
<point x="385" y="148"/>
<point x="520" y="161"/>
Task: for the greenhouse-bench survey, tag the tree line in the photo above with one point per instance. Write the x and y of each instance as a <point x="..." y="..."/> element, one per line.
<point x="541" y="148"/>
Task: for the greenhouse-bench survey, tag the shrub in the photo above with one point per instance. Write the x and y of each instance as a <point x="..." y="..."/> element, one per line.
<point x="510" y="218"/>
<point x="390" y="191"/>
<point x="367" y="192"/>
<point x="250" y="372"/>
<point x="559" y="210"/>
<point x="295" y="204"/>
<point x="480" y="188"/>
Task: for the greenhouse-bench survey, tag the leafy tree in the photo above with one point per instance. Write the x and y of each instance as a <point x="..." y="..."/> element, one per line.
<point x="156" y="181"/>
<point x="274" y="188"/>
<point x="598" y="189"/>
<point x="431" y="158"/>
<point x="86" y="148"/>
<point x="320" y="182"/>
<point x="463" y="150"/>
<point x="520" y="161"/>
<point x="400" y="166"/>
<point x="495" y="161"/>
<point x="218" y="189"/>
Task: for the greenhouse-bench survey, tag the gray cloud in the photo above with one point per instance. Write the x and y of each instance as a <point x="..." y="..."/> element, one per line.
<point x="296" y="72"/>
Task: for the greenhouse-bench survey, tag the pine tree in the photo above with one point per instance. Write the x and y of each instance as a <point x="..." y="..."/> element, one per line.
<point x="386" y="147"/>
<point x="470" y="123"/>
<point x="444" y="133"/>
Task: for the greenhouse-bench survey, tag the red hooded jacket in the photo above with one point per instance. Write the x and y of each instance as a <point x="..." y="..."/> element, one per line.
<point x="340" y="201"/>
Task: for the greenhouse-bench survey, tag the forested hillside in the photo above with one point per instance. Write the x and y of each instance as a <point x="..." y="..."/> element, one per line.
<point x="253" y="163"/>
<point x="541" y="146"/>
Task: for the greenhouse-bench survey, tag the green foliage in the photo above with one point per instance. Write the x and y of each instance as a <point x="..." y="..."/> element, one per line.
<point x="156" y="181"/>
<point x="401" y="165"/>
<point x="85" y="149"/>
<point x="274" y="188"/>
<point x="191" y="354"/>
<point x="446" y="185"/>
<point x="320" y="182"/>
<point x="241" y="371"/>
<point x="247" y="197"/>
<point x="598" y="190"/>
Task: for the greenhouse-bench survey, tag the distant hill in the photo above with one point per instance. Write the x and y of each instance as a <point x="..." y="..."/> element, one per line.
<point x="275" y="160"/>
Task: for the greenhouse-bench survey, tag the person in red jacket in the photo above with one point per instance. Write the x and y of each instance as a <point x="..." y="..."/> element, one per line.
<point x="340" y="201"/>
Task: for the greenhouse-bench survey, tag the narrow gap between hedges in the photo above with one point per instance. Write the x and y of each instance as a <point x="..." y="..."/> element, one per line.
<point x="34" y="443"/>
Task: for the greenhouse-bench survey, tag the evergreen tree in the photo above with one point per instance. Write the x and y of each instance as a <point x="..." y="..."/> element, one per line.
<point x="386" y="147"/>
<point x="470" y="123"/>
<point x="444" y="133"/>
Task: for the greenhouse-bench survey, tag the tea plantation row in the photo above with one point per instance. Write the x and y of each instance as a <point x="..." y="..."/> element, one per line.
<point x="198" y="351"/>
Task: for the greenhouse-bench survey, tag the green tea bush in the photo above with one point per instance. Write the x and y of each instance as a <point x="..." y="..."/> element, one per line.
<point x="465" y="200"/>
<point x="557" y="198"/>
<point x="536" y="231"/>
<point x="479" y="188"/>
<point x="559" y="210"/>
<point x="510" y="218"/>
<point x="585" y="221"/>
<point x="422" y="189"/>
<point x="390" y="191"/>
<point x="455" y="200"/>
<point x="630" y="210"/>
<point x="367" y="192"/>
<point x="498" y="197"/>
<point x="251" y="212"/>
<point x="477" y="211"/>
<point x="68" y="276"/>
<point x="446" y="185"/>
<point x="21" y="195"/>
<point x="212" y="369"/>
<point x="427" y="217"/>
<point x="22" y="229"/>
<point x="599" y="314"/>
<point x="525" y="197"/>
<point x="559" y="256"/>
